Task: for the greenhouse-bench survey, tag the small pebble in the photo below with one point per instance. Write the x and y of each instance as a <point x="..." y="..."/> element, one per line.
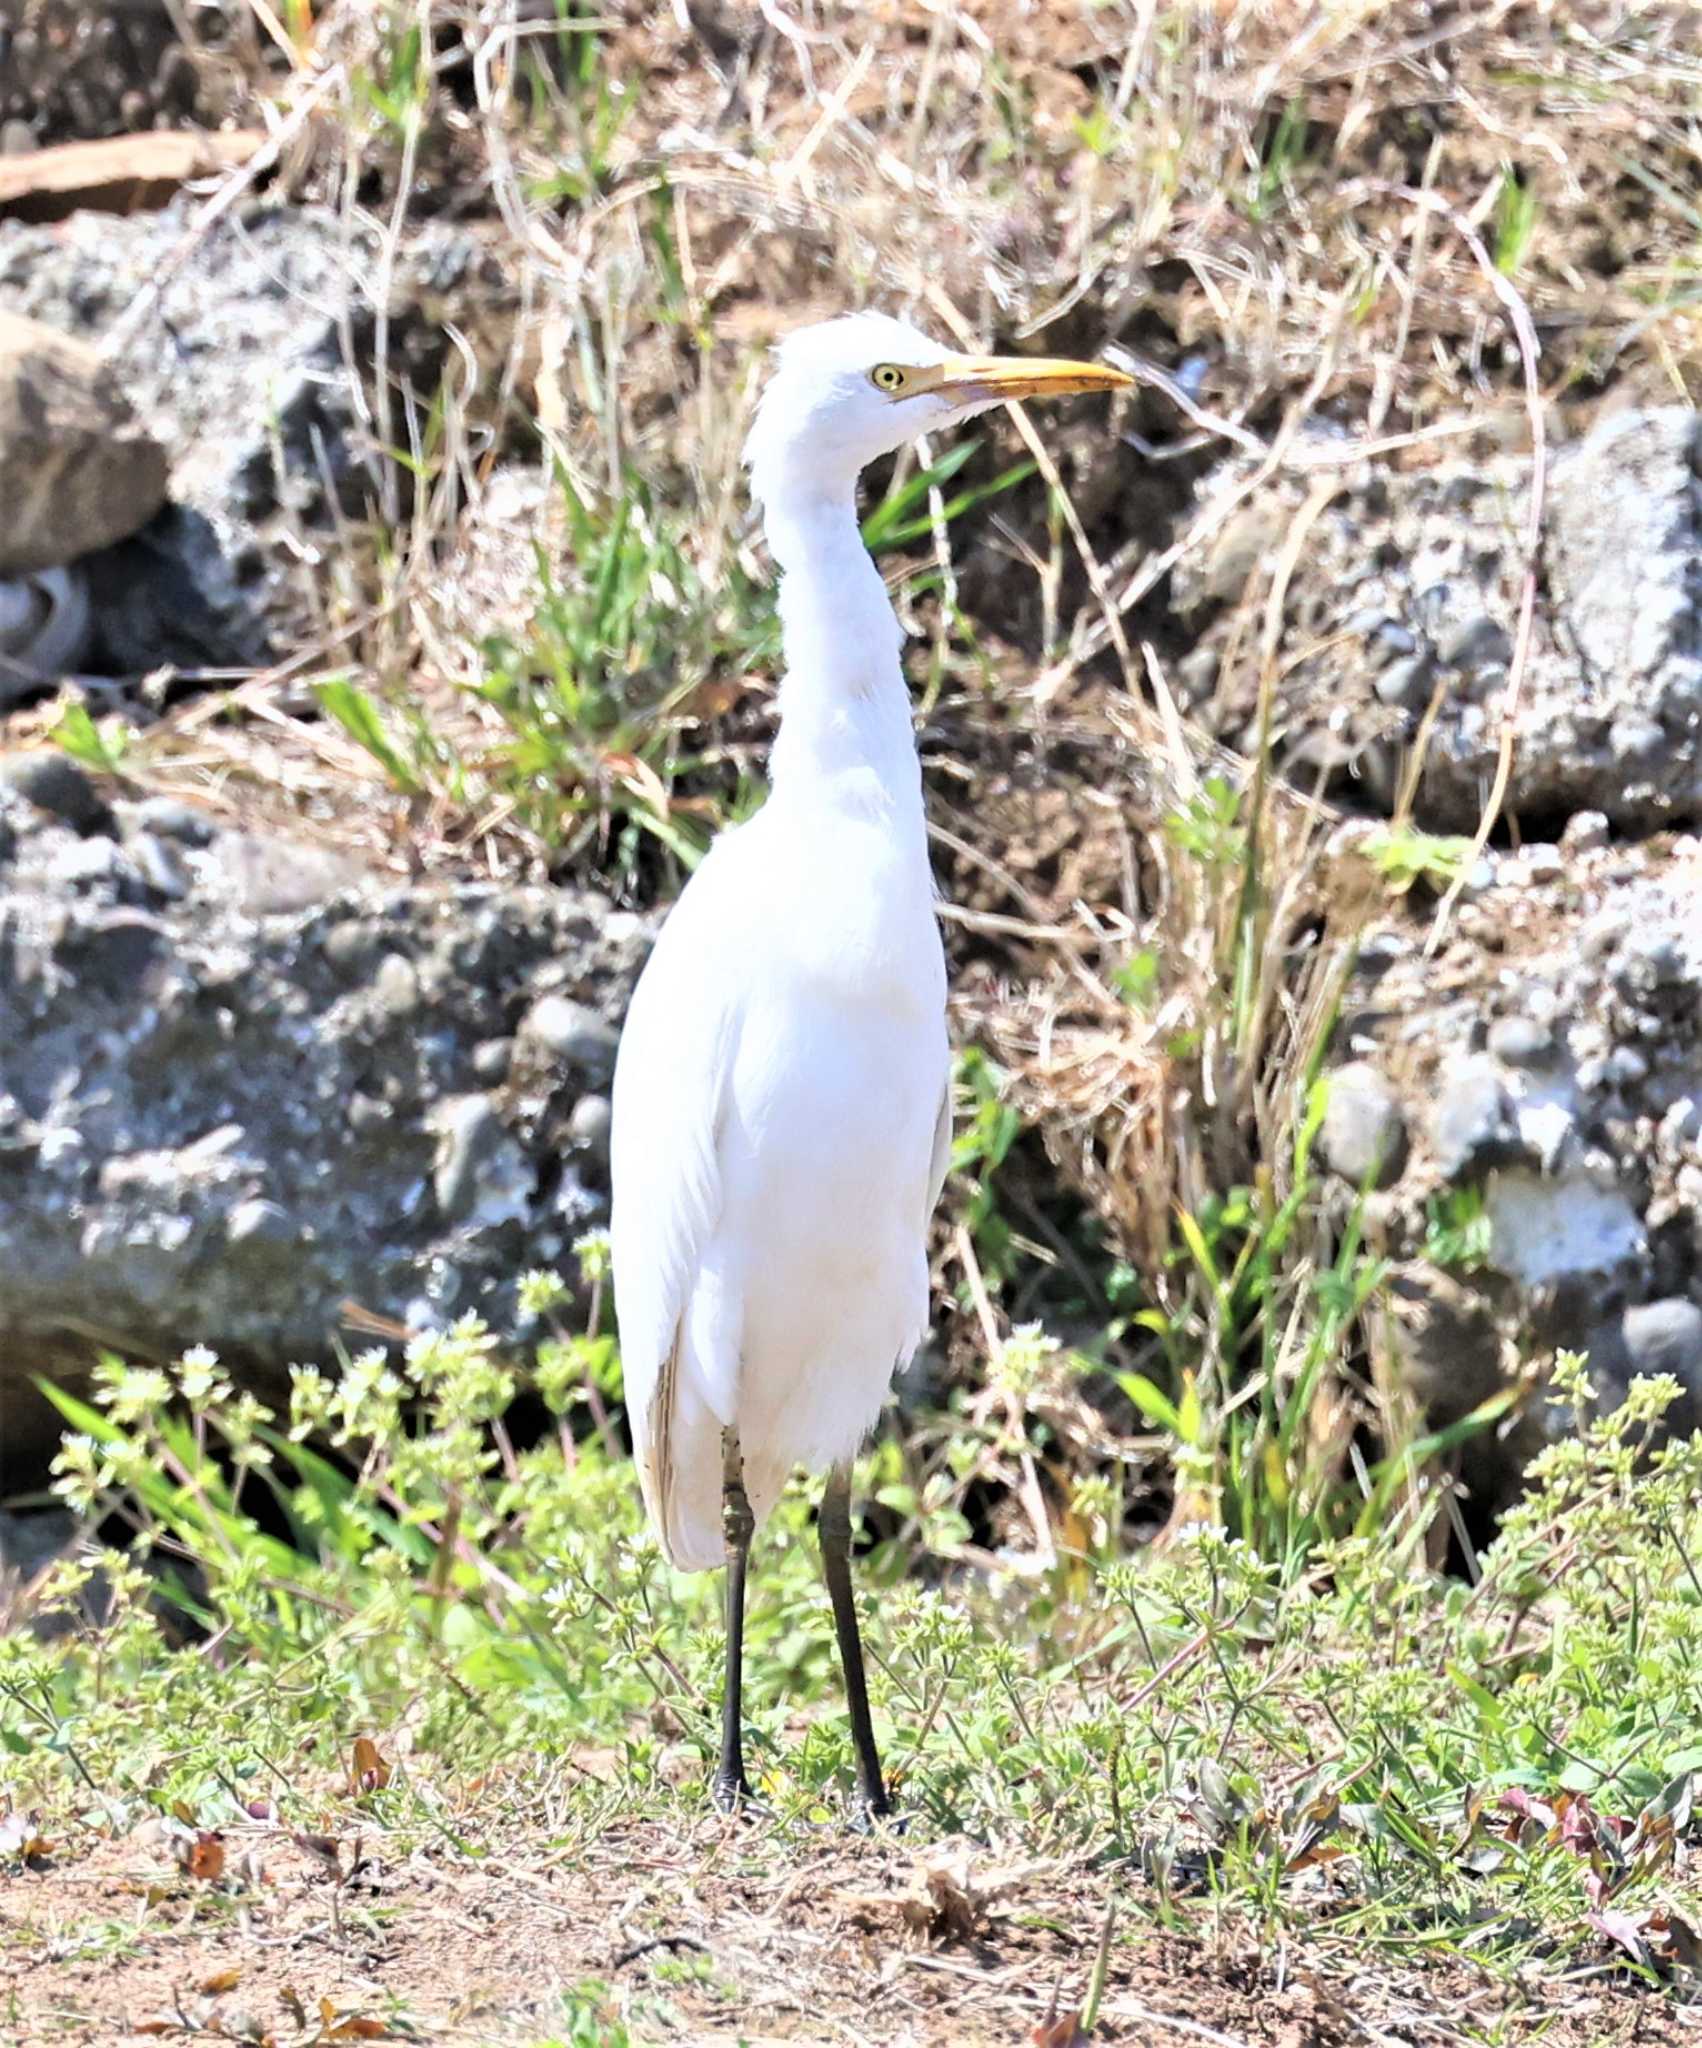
<point x="1389" y="641"/>
<point x="1476" y="644"/>
<point x="1239" y="550"/>
<point x="1585" y="832"/>
<point x="1635" y="739"/>
<point x="1682" y="1124"/>
<point x="260" y="1222"/>
<point x="1625" y="1067"/>
<point x="81" y="863"/>
<point x="572" y="1033"/>
<point x="367" y="1113"/>
<point x="1196" y="673"/>
<point x="470" y="1133"/>
<point x="159" y="866"/>
<point x="349" y="946"/>
<point x="481" y="1174"/>
<point x="588" y="1127"/>
<point x="396" y="987"/>
<point x="492" y="1058"/>
<point x="1520" y="1041"/>
<point x="1473" y="1124"/>
<point x="172" y="818"/>
<point x="1364" y="1130"/>
<point x="1405" y="684"/>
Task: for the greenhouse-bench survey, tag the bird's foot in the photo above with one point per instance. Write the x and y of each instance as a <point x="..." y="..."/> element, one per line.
<point x="873" y="1813"/>
<point x="733" y="1796"/>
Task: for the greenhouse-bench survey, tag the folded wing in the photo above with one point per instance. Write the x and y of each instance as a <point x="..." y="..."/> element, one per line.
<point x="671" y="1081"/>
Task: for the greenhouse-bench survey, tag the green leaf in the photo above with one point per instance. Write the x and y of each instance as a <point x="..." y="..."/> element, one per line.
<point x="1488" y="1706"/>
<point x="1153" y="1403"/>
<point x="359" y="716"/>
<point x="954" y="507"/>
<point x="84" y="741"/>
<point x="879" y="527"/>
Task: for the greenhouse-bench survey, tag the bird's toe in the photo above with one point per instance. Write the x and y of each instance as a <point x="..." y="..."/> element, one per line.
<point x="876" y="1815"/>
<point x="734" y="1797"/>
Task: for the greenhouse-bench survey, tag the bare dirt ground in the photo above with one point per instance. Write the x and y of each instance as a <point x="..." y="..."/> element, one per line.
<point x="724" y="1935"/>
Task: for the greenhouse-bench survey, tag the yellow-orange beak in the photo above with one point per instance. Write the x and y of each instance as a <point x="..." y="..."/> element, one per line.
<point x="974" y="380"/>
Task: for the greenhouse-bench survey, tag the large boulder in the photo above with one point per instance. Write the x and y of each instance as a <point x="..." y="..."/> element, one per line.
<point x="243" y="1083"/>
<point x="1547" y="1062"/>
<point x="250" y="347"/>
<point x="77" y="471"/>
<point x="1410" y="589"/>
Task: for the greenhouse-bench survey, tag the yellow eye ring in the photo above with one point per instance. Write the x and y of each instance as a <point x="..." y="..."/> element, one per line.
<point x="887" y="377"/>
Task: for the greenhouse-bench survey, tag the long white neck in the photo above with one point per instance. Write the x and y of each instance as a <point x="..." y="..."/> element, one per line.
<point x="844" y="709"/>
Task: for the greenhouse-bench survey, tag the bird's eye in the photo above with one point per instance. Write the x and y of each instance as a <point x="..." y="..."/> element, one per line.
<point x="888" y="377"/>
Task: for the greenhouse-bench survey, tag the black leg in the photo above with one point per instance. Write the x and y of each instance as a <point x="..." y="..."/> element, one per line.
<point x="731" y="1789"/>
<point x="836" y="1565"/>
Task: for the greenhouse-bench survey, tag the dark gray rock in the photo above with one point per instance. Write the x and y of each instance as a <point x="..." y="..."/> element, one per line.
<point x="210" y="1131"/>
<point x="53" y="782"/>
<point x="1364" y="1131"/>
<point x="1665" y="1336"/>
<point x="245" y="347"/>
<point x="1609" y="713"/>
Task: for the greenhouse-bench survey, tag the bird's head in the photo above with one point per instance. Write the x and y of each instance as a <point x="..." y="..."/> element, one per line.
<point x="848" y="390"/>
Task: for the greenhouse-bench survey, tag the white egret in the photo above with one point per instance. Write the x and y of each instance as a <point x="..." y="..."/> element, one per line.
<point x="782" y="1110"/>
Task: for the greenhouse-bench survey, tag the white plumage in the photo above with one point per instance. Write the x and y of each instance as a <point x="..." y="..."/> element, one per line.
<point x="780" y="1121"/>
<point x="781" y="1102"/>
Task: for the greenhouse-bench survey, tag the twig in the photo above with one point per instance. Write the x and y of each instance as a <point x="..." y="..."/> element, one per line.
<point x="1169" y="1668"/>
<point x="667" y="1941"/>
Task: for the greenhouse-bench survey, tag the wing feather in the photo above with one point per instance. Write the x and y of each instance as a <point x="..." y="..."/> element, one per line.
<point x="940" y="1164"/>
<point x="671" y="1079"/>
